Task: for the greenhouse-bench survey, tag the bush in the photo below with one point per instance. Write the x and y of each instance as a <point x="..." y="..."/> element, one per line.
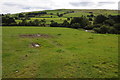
<point x="104" y="29"/>
<point x="65" y="23"/>
<point x="83" y="21"/>
<point x="112" y="30"/>
<point x="89" y="27"/>
<point x="109" y="22"/>
<point x="75" y="25"/>
<point x="90" y="19"/>
<point x="117" y="26"/>
<point x="97" y="25"/>
<point x="54" y="24"/>
<point x="100" y="19"/>
<point x="8" y="21"/>
<point x="97" y="30"/>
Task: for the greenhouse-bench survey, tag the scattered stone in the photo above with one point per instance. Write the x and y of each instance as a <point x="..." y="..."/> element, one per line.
<point x="89" y="31"/>
<point x="86" y="30"/>
<point x="35" y="45"/>
<point x="16" y="71"/>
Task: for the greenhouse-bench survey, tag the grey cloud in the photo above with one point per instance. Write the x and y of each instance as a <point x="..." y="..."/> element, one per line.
<point x="11" y="4"/>
<point x="105" y="3"/>
<point x="81" y="3"/>
<point x="25" y="6"/>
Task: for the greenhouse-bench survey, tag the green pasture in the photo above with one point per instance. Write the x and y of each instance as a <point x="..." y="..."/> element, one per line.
<point x="69" y="53"/>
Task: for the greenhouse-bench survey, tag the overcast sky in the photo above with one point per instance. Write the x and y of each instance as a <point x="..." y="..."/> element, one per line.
<point x="16" y="6"/>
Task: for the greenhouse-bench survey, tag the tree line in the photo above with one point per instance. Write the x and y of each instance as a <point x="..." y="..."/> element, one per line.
<point x="100" y="24"/>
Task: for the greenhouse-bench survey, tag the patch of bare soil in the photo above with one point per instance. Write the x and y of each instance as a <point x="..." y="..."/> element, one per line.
<point x="36" y="36"/>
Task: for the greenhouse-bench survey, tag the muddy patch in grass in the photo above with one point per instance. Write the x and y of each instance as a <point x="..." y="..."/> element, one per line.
<point x="36" y="36"/>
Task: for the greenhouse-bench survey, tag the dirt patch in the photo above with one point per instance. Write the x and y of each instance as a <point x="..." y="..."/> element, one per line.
<point x="36" y="36"/>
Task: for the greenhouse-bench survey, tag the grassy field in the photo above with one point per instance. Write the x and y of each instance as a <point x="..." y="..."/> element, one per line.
<point x="48" y="20"/>
<point x="68" y="53"/>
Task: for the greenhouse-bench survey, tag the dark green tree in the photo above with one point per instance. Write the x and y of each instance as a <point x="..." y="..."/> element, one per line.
<point x="65" y="23"/>
<point x="83" y="21"/>
<point x="100" y="19"/>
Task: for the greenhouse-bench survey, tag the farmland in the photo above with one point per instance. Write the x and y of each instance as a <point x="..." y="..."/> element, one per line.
<point x="62" y="43"/>
<point x="63" y="53"/>
<point x="52" y="14"/>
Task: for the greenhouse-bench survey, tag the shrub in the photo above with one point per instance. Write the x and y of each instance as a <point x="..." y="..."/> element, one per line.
<point x="117" y="26"/>
<point x="109" y="22"/>
<point x="65" y="23"/>
<point x="90" y="19"/>
<point x="54" y="24"/>
<point x="89" y="27"/>
<point x="104" y="29"/>
<point x="97" y="25"/>
<point x="100" y="19"/>
<point x="97" y="30"/>
<point x="75" y="25"/>
<point x="112" y="30"/>
<point x="83" y="21"/>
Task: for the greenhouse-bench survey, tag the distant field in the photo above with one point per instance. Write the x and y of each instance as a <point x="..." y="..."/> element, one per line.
<point x="76" y="14"/>
<point x="52" y="14"/>
<point x="48" y="20"/>
<point x="63" y="53"/>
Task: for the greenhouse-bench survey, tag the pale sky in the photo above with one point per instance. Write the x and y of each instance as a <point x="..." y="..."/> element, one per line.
<point x="17" y="6"/>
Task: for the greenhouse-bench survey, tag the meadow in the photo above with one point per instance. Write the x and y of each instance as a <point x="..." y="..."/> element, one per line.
<point x="62" y="53"/>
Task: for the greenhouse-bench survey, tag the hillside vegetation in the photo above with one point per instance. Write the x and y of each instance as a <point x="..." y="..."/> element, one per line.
<point x="100" y="21"/>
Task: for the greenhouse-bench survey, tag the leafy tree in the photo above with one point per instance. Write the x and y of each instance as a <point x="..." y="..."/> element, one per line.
<point x="36" y="22"/>
<point x="109" y="22"/>
<point x="21" y="15"/>
<point x="89" y="27"/>
<point x="100" y="19"/>
<point x="43" y="22"/>
<point x="75" y="25"/>
<point x="54" y="24"/>
<point x="90" y="19"/>
<point x="115" y="18"/>
<point x="112" y="30"/>
<point x="23" y="23"/>
<point x="7" y="21"/>
<point x="104" y="29"/>
<point x="97" y="25"/>
<point x="65" y="23"/>
<point x="52" y="21"/>
<point x="117" y="26"/>
<point x="68" y="19"/>
<point x="83" y="21"/>
<point x="97" y="30"/>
